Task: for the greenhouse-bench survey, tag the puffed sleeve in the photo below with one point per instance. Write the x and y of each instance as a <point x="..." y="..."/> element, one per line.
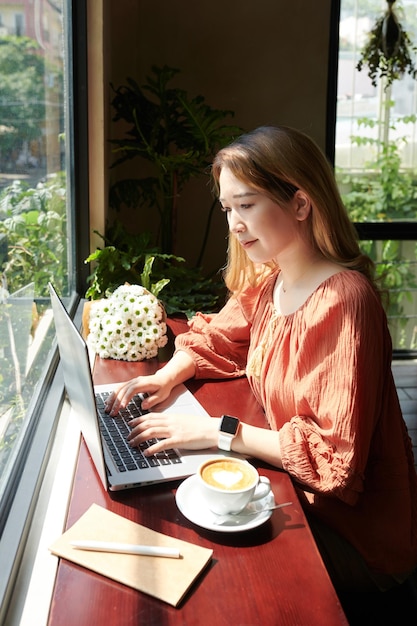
<point x="340" y="380"/>
<point x="218" y="343"/>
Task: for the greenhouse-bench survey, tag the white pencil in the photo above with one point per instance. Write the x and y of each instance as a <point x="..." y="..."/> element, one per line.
<point x="127" y="548"/>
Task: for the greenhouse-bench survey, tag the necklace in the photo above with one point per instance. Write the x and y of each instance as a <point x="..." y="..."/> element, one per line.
<point x="299" y="279"/>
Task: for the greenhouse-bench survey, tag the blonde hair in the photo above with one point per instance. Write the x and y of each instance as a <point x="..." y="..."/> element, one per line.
<point x="278" y="161"/>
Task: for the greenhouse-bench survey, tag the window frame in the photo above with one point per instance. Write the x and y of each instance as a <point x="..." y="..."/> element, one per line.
<point x="25" y="480"/>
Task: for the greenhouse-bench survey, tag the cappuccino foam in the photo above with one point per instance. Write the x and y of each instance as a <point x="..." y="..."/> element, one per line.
<point x="228" y="475"/>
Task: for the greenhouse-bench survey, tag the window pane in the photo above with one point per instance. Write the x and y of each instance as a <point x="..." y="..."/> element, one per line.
<point x="376" y="158"/>
<point x="370" y="117"/>
<point x="396" y="268"/>
<point x="33" y="204"/>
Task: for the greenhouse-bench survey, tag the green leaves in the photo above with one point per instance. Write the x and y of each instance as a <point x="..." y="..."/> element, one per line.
<point x="174" y="136"/>
<point x="126" y="258"/>
<point x="385" y="191"/>
<point x="23" y="92"/>
<point x="145" y="278"/>
<point x="34" y="221"/>
<point x="130" y="258"/>
<point x="175" y="133"/>
<point x="387" y="53"/>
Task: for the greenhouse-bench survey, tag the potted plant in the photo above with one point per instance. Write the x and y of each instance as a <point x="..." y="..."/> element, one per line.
<point x="175" y="137"/>
<point x="175" y="134"/>
<point x="133" y="259"/>
<point x="387" y="52"/>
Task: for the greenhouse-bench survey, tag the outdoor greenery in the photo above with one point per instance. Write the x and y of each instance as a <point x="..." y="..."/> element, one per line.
<point x="34" y="224"/>
<point x="32" y="220"/>
<point x="33" y="238"/>
<point x="384" y="191"/>
<point x="22" y="96"/>
<point x="384" y="188"/>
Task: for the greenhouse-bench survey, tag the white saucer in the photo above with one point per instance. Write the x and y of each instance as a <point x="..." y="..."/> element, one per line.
<point x="193" y="507"/>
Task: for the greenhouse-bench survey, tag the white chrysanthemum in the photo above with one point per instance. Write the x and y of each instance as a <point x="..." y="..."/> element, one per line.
<point x="129" y="325"/>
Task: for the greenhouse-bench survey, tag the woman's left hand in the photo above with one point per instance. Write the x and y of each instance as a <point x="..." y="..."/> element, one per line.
<point x="190" y="432"/>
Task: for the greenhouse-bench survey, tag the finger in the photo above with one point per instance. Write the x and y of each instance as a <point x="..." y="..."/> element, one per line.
<point x="120" y="398"/>
<point x="115" y="402"/>
<point x="149" y="401"/>
<point x="137" y="439"/>
<point x="161" y="446"/>
<point x="143" y="431"/>
<point x="153" y="398"/>
<point x="147" y="420"/>
<point x="112" y="404"/>
<point x="108" y="403"/>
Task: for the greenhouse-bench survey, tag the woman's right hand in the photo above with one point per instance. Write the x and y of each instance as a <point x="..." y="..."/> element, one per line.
<point x="157" y="386"/>
<point x="156" y="389"/>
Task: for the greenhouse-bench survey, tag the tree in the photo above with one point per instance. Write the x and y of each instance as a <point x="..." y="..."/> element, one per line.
<point x="22" y="94"/>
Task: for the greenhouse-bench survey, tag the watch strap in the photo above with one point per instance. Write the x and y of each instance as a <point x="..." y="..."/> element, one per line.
<point x="225" y="442"/>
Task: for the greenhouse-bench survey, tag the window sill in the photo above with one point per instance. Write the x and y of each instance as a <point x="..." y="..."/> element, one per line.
<point x="32" y="592"/>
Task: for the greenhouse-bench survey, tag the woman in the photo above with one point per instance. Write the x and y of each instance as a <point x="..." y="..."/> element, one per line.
<point x="305" y="324"/>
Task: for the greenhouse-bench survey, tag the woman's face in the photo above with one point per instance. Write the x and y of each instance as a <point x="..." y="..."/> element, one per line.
<point x="264" y="229"/>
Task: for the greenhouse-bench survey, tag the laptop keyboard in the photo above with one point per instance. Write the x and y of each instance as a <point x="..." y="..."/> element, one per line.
<point x="115" y="430"/>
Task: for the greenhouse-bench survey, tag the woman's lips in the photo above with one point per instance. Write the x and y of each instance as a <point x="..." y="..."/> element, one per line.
<point x="247" y="244"/>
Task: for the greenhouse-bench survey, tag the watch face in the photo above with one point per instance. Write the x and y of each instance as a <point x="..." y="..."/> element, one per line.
<point x="229" y="425"/>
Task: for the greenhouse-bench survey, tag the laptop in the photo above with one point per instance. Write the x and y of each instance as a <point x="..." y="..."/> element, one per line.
<point x="119" y="466"/>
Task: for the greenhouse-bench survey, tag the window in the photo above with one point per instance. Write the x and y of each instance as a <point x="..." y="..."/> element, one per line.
<point x="33" y="215"/>
<point x="43" y="177"/>
<point x="376" y="162"/>
<point x="19" y="29"/>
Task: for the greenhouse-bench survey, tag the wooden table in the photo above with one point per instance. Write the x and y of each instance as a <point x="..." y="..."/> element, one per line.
<point x="269" y="576"/>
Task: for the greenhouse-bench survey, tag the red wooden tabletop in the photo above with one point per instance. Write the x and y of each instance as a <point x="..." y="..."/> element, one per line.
<point x="268" y="576"/>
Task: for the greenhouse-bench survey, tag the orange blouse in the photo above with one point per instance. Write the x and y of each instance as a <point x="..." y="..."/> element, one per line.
<point x="323" y="376"/>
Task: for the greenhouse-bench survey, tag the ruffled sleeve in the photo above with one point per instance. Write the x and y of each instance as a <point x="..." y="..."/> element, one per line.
<point x="218" y="343"/>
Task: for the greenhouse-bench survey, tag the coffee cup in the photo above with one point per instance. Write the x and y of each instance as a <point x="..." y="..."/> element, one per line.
<point x="228" y="484"/>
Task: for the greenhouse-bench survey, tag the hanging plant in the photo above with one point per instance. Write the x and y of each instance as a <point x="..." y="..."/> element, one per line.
<point x="388" y="51"/>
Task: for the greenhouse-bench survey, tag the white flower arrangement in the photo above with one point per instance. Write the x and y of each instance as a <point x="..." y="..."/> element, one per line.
<point x="128" y="326"/>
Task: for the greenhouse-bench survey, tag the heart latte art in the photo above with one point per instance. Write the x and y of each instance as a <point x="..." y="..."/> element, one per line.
<point x="228" y="475"/>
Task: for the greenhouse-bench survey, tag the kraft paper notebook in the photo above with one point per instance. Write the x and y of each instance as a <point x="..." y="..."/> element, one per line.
<point x="164" y="578"/>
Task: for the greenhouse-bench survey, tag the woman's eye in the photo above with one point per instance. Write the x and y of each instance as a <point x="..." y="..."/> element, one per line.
<point x="241" y="207"/>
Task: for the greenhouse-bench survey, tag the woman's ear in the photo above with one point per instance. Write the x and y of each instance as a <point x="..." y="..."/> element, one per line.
<point x="302" y="205"/>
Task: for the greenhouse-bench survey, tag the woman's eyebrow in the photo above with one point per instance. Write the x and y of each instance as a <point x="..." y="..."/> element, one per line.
<point x="245" y="194"/>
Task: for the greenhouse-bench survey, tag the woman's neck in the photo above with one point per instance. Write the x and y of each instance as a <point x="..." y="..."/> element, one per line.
<point x="295" y="284"/>
<point x="301" y="271"/>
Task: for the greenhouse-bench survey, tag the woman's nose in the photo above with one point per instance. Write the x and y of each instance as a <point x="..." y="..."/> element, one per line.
<point x="235" y="223"/>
